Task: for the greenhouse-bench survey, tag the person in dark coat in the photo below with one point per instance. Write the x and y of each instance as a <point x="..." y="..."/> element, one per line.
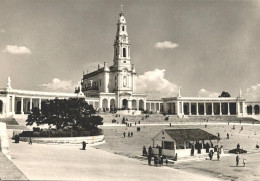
<point x="124" y="134"/>
<point x="149" y="158"/>
<point x="30" y="141"/>
<point x="150" y="150"/>
<point x="132" y="134"/>
<point x="144" y="151"/>
<point x="83" y="145"/>
<point x="237" y="160"/>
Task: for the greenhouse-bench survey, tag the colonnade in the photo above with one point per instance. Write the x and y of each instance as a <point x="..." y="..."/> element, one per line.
<point x="154" y="106"/>
<point x="204" y="108"/>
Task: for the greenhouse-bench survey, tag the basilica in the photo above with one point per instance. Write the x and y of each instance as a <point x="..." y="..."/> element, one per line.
<point x="114" y="87"/>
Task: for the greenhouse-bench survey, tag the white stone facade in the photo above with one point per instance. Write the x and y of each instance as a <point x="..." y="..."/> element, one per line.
<point x="115" y="85"/>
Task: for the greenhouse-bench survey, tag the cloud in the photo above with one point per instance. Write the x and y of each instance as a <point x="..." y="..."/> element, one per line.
<point x="2" y="30"/>
<point x="155" y="85"/>
<point x="204" y="93"/>
<point x="61" y="85"/>
<point x="253" y="93"/>
<point x="165" y="44"/>
<point x="14" y="49"/>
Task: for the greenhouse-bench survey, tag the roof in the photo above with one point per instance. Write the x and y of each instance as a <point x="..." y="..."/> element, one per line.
<point x="182" y="135"/>
<point x="92" y="74"/>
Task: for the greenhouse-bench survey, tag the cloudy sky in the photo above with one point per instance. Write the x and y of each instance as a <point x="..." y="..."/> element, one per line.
<point x="202" y="47"/>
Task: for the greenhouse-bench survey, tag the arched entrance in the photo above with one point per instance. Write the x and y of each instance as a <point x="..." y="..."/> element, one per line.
<point x="112" y="103"/>
<point x="104" y="103"/>
<point x="141" y="104"/>
<point x="256" y="107"/>
<point x="1" y="107"/>
<point x="134" y="104"/>
<point x="125" y="104"/>
<point x="249" y="110"/>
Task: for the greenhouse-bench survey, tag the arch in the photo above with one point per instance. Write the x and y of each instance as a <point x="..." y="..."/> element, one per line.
<point x="134" y="104"/>
<point x="112" y="103"/>
<point x="141" y="104"/>
<point x="249" y="109"/>
<point x="105" y="103"/>
<point x="1" y="107"/>
<point x="256" y="108"/>
<point x="124" y="103"/>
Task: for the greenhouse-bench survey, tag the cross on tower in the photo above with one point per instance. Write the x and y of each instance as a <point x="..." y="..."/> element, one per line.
<point x="121" y="7"/>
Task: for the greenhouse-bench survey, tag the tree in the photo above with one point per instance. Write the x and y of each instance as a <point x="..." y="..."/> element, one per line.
<point x="224" y="94"/>
<point x="74" y="112"/>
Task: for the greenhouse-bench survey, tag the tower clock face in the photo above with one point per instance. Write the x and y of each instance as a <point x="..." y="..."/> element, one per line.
<point x="124" y="81"/>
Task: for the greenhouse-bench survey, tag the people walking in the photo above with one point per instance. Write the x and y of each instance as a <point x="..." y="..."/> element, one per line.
<point x="244" y="162"/>
<point x="237" y="160"/>
<point x="132" y="134"/>
<point x="124" y="134"/>
<point x="128" y="134"/>
<point x="30" y="141"/>
<point x="218" y="156"/>
<point x="83" y="145"/>
<point x="144" y="151"/>
<point x="227" y="136"/>
<point x="149" y="158"/>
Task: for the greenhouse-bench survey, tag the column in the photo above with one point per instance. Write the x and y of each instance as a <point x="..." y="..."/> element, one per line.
<point x="228" y="108"/>
<point x="182" y="108"/>
<point x="177" y="108"/>
<point x="13" y="104"/>
<point x="197" y="108"/>
<point x="30" y="104"/>
<point x="150" y="106"/>
<point x="184" y="144"/>
<point x="220" y="109"/>
<point x="108" y="104"/>
<point x="137" y="104"/>
<point x="205" y="110"/>
<point x="189" y="108"/>
<point x="159" y="108"/>
<point x="212" y="108"/>
<point x="253" y="110"/>
<point x="144" y="104"/>
<point x="22" y="105"/>
<point x="7" y="103"/>
<point x="40" y="103"/>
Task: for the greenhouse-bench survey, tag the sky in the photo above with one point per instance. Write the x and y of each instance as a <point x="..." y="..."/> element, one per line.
<point x="200" y="47"/>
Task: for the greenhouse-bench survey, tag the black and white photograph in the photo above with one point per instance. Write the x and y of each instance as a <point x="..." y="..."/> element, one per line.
<point x="130" y="90"/>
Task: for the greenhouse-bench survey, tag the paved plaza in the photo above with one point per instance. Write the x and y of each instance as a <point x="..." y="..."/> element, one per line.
<point x="68" y="162"/>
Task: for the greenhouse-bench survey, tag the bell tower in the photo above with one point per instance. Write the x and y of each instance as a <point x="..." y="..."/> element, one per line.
<point x="122" y="45"/>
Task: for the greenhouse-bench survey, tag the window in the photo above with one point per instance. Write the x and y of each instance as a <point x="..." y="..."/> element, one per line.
<point x="124" y="52"/>
<point x="124" y="81"/>
<point x="123" y="28"/>
<point x="124" y="61"/>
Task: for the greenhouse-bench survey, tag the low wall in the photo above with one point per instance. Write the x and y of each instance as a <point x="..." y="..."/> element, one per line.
<point x="4" y="142"/>
<point x="61" y="140"/>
